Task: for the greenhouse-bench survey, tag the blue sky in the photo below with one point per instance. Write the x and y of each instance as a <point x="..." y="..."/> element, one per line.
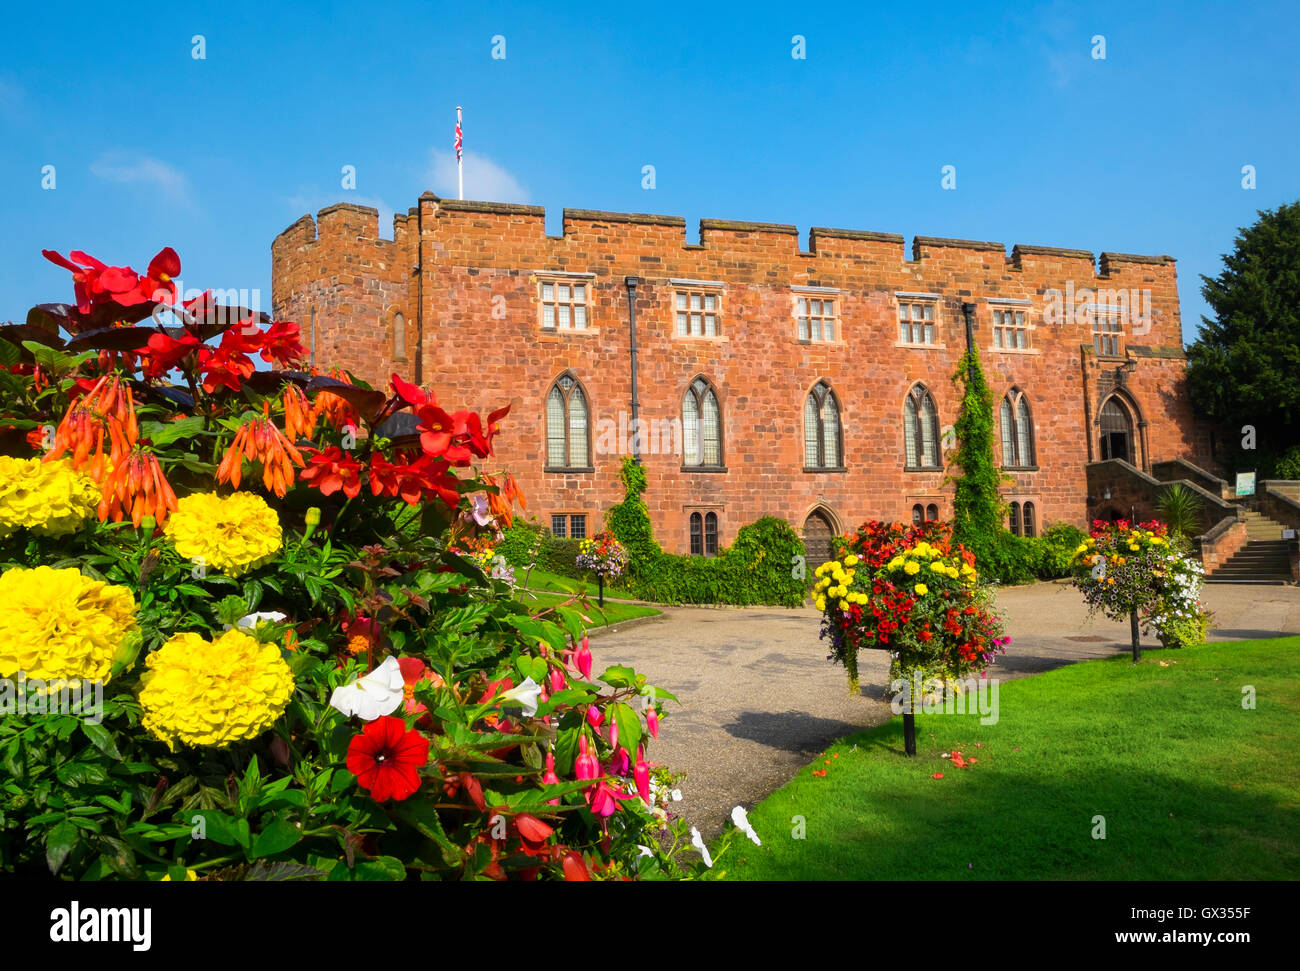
<point x="1141" y="152"/>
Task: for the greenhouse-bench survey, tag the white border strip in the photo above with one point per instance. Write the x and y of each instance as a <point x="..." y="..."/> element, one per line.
<point x="1015" y="302"/>
<point x="563" y="273"/>
<point x="921" y="296"/>
<point x="815" y="289"/>
<point x="697" y="283"/>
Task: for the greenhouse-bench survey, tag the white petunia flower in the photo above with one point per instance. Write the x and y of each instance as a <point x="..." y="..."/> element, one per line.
<point x="379" y="693"/>
<point x="741" y="819"/>
<point x="697" y="841"/>
<point x="250" y="621"/>
<point x="525" y="695"/>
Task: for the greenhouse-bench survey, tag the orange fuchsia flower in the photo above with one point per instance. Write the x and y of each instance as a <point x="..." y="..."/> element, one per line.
<point x="105" y="414"/>
<point x="260" y="441"/>
<point x="136" y="487"/>
<point x="299" y="416"/>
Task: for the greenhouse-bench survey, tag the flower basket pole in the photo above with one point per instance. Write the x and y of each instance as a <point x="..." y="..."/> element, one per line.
<point x="1133" y="629"/>
<point x="600" y="592"/>
<point x="909" y="726"/>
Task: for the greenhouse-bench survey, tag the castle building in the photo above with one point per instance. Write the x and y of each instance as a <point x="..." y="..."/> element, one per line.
<point x="750" y="375"/>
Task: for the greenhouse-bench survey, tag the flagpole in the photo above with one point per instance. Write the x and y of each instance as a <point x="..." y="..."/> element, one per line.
<point x="460" y="165"/>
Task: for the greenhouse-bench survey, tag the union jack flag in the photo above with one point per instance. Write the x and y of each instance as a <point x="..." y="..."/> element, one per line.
<point x="458" y="135"/>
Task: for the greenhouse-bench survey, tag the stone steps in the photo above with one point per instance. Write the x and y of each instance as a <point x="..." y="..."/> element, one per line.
<point x="1265" y="559"/>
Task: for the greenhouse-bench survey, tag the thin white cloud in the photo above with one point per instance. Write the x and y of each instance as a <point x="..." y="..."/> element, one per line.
<point x="131" y="169"/>
<point x="485" y="180"/>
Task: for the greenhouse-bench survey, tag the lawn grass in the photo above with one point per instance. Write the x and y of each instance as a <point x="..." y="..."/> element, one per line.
<point x="611" y="613"/>
<point x="541" y="580"/>
<point x="1191" y="785"/>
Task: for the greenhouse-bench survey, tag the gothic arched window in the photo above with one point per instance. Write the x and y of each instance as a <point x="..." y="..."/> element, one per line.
<point x="701" y="425"/>
<point x="822" y="435"/>
<point x="921" y="429"/>
<point x="567" y="420"/>
<point x="1017" y="431"/>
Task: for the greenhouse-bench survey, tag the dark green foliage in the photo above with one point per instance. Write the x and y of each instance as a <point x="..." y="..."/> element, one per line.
<point x="529" y="542"/>
<point x="1180" y="509"/>
<point x="759" y="568"/>
<point x="976" y="503"/>
<point x="629" y="521"/>
<point x="1244" y="368"/>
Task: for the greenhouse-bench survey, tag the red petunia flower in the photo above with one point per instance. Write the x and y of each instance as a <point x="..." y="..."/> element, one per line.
<point x="385" y="757"/>
<point x="332" y="470"/>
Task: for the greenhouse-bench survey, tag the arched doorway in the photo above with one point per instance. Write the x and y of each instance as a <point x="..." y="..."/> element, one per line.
<point x="817" y="533"/>
<point x="1116" y="431"/>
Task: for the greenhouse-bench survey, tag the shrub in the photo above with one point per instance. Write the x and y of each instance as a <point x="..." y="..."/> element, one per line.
<point x="1180" y="508"/>
<point x="1288" y="466"/>
<point x="759" y="568"/>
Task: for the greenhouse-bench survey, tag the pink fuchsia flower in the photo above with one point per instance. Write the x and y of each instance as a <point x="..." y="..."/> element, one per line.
<point x="558" y="681"/>
<point x="549" y="778"/>
<point x="586" y="765"/>
<point x="619" y="763"/>
<point x="605" y="799"/>
<point x="641" y="775"/>
<point x="595" y="717"/>
<point x="652" y="721"/>
<point x="582" y="658"/>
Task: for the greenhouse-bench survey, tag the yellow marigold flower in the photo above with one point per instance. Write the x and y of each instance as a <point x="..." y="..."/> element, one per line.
<point x="937" y="567"/>
<point x="895" y="563"/>
<point x="1133" y="547"/>
<point x="921" y="589"/>
<point x="851" y="560"/>
<point x="912" y="569"/>
<point x="844" y="605"/>
<point x="58" y="624"/>
<point x="232" y="535"/>
<point x="200" y="692"/>
<point x="821" y="603"/>
<point x="51" y="498"/>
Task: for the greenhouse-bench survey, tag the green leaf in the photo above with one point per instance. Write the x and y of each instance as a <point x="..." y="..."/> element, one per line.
<point x="629" y="726"/>
<point x="283" y="871"/>
<point x="101" y="738"/>
<point x="618" y="676"/>
<point x="164" y="433"/>
<point x="276" y="838"/>
<point x="9" y="355"/>
<point x="217" y="826"/>
<point x="59" y="842"/>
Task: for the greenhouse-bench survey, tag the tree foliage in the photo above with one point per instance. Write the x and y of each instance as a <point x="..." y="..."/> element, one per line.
<point x="1244" y="368"/>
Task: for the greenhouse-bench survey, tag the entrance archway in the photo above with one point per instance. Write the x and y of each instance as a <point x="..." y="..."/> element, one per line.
<point x="817" y="533"/>
<point x="1117" y="438"/>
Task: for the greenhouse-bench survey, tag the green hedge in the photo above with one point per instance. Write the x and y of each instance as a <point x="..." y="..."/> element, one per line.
<point x="1017" y="559"/>
<point x="758" y="568"/>
<point x="553" y="555"/>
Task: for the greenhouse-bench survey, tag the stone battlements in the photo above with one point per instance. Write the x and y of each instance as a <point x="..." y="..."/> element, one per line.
<point x="525" y="225"/>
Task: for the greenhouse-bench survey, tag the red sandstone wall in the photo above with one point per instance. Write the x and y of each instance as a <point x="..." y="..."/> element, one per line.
<point x="483" y="345"/>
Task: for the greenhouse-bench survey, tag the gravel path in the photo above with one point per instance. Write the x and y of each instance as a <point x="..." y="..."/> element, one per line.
<point x="759" y="700"/>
